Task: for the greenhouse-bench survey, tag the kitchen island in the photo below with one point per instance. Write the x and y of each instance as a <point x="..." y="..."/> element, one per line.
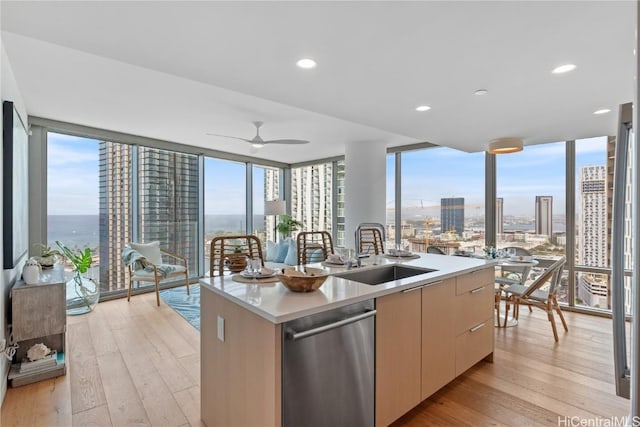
<point x="429" y="328"/>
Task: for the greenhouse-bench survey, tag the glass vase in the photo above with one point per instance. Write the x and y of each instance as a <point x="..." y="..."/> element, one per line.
<point x="82" y="294"/>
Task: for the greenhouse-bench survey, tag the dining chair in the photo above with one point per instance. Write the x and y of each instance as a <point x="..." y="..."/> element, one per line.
<point x="371" y="238"/>
<point x="515" y="274"/>
<point x="309" y="243"/>
<point x="232" y="251"/>
<point x="538" y="295"/>
<point x="145" y="263"/>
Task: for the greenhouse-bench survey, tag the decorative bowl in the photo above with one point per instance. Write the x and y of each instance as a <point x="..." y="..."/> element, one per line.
<point x="302" y="279"/>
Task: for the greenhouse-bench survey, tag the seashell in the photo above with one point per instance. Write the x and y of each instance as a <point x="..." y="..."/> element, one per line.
<point x="37" y="352"/>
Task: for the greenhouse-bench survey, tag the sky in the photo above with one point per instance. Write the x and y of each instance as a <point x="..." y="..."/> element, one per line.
<point x="427" y="176"/>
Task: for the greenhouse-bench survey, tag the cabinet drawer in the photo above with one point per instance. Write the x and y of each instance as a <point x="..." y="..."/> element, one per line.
<point x="474" y="345"/>
<point x="469" y="281"/>
<point x="38" y="311"/>
<point x="473" y="307"/>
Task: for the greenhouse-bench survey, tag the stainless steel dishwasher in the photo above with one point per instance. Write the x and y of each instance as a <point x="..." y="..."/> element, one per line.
<point x="328" y="362"/>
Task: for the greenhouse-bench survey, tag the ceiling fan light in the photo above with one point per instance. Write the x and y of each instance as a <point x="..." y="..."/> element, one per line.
<point x="257" y="144"/>
<point x="505" y="145"/>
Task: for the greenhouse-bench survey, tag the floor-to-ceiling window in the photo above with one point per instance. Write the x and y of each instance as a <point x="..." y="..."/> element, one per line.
<point x="312" y="196"/>
<point x="442" y="200"/>
<point x="266" y="187"/>
<point x="390" y="213"/>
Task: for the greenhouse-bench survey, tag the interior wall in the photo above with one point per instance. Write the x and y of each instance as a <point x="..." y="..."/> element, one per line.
<point x="8" y="92"/>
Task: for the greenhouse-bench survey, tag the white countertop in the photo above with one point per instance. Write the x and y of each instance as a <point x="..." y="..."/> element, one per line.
<point x="277" y="304"/>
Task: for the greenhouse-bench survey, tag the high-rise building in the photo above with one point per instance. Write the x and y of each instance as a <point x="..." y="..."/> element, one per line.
<point x="499" y="215"/>
<point x="593" y="217"/>
<point x="271" y="192"/>
<point x="593" y="238"/>
<point x="167" y="189"/>
<point x="114" y="212"/>
<point x="544" y="215"/>
<point x="452" y="215"/>
<point x="313" y="198"/>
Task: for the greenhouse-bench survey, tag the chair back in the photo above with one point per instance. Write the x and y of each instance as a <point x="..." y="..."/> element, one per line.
<point x="233" y="246"/>
<point x="371" y="238"/>
<point x="435" y="250"/>
<point x="552" y="275"/>
<point x="311" y="241"/>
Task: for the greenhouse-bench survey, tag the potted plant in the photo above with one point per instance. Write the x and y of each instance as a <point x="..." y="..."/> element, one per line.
<point x="237" y="261"/>
<point x="48" y="257"/>
<point x="287" y="225"/>
<point x="82" y="292"/>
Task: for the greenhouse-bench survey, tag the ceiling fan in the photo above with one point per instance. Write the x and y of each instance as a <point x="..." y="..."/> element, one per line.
<point x="257" y="140"/>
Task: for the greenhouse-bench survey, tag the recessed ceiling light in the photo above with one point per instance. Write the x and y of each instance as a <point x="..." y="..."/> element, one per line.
<point x="603" y="111"/>
<point x="481" y="92"/>
<point x="423" y="108"/>
<point x="306" y="63"/>
<point x="564" y="69"/>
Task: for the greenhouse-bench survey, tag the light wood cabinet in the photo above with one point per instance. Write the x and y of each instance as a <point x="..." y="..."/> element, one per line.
<point x="428" y="335"/>
<point x="438" y="337"/>
<point x="398" y="351"/>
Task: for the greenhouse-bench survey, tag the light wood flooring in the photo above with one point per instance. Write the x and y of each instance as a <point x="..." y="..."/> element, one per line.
<point x="137" y="364"/>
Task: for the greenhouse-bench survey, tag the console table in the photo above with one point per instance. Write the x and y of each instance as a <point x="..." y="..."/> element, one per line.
<point x="38" y="314"/>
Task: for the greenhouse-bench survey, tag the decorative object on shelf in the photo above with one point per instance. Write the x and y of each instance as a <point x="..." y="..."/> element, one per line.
<point x="505" y="145"/>
<point x="31" y="272"/>
<point x="82" y="292"/>
<point x="287" y="225"/>
<point x="490" y="251"/>
<point x="38" y="351"/>
<point x="48" y="257"/>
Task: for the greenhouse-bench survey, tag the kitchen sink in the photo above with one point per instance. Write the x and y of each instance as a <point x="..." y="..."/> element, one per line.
<point x="379" y="275"/>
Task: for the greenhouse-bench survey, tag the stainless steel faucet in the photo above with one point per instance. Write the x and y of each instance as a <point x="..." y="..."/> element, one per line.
<point x="368" y="225"/>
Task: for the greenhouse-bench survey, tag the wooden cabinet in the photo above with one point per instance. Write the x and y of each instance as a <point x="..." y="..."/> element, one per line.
<point x="39" y="316"/>
<point x="398" y="351"/>
<point x="428" y="335"/>
<point x="438" y="337"/>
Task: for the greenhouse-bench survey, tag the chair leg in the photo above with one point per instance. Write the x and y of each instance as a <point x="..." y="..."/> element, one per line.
<point x="557" y="307"/>
<point x="186" y="280"/>
<point x="553" y="321"/>
<point x="506" y="310"/>
<point x="157" y="290"/>
<point x="130" y="285"/>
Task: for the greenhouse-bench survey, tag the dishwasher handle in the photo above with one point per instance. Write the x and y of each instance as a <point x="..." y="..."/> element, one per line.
<point x="291" y="334"/>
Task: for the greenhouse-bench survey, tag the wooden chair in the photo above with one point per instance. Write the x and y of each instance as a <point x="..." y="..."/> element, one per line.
<point x="371" y="238"/>
<point x="535" y="295"/>
<point x="232" y="251"/>
<point x="153" y="257"/>
<point x="309" y="242"/>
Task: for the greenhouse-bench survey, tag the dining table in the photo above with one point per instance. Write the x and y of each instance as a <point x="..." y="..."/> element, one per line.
<point x="524" y="264"/>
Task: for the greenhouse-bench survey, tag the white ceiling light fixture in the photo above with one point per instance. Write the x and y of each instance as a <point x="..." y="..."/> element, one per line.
<point x="564" y="69"/>
<point x="505" y="145"/>
<point x="602" y="111"/>
<point x="306" y="63"/>
<point x="481" y="92"/>
<point x="422" y="108"/>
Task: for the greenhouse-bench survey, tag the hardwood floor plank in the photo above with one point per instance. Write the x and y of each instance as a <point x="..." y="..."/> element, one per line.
<point x="125" y="406"/>
<point x="157" y="399"/>
<point x="98" y="417"/>
<point x="103" y="341"/>
<point x="86" y="383"/>
<point x="189" y="401"/>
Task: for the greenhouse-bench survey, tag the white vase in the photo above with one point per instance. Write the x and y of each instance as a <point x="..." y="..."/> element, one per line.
<point x="31" y="272"/>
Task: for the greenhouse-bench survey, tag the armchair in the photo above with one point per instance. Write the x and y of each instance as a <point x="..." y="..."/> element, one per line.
<point x="145" y="264"/>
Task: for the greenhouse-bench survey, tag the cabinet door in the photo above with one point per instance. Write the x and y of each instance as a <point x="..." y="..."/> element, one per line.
<point x="38" y="311"/>
<point x="398" y="342"/>
<point x="438" y="336"/>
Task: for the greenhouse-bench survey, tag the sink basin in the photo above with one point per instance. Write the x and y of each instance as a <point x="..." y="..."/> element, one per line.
<point x="379" y="275"/>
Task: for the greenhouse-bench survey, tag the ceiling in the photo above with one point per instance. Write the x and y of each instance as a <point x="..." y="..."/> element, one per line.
<point x="178" y="70"/>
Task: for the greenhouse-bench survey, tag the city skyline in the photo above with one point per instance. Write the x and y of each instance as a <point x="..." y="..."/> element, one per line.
<point x="73" y="171"/>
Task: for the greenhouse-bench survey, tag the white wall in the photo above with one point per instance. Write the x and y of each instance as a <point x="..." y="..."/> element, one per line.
<point x="365" y="186"/>
<point x="8" y="92"/>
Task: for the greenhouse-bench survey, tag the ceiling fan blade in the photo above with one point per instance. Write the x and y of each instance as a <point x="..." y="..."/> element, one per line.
<point x="227" y="136"/>
<point x="286" y="141"/>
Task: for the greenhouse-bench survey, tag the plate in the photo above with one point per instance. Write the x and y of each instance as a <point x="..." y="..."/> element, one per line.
<point x="400" y="254"/>
<point x="257" y="276"/>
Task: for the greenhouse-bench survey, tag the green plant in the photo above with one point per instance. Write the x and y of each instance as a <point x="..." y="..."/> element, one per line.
<point x="287" y="225"/>
<point x="46" y="251"/>
<point x="81" y="259"/>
